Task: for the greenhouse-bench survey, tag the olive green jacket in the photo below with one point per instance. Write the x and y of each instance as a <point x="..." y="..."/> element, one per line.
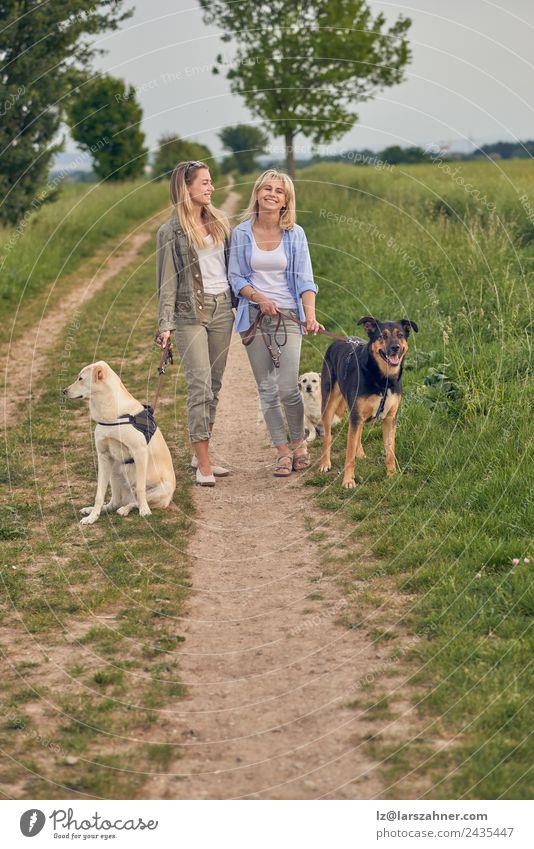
<point x="179" y="280"/>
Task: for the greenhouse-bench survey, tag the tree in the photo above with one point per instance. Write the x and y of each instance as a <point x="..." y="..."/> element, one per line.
<point x="246" y="143"/>
<point x="172" y="149"/>
<point x="104" y="119"/>
<point x="43" y="54"/>
<point x="301" y="66"/>
<point x="395" y="155"/>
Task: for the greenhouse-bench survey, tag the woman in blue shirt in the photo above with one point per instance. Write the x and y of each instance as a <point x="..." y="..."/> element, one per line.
<point x="270" y="270"/>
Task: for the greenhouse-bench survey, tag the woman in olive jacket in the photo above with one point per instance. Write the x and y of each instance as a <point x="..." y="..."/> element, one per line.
<point x="195" y="301"/>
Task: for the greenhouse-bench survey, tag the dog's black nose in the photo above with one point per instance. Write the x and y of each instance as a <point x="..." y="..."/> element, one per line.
<point x="65" y="391"/>
<point x="394" y="349"/>
<point x="309" y="389"/>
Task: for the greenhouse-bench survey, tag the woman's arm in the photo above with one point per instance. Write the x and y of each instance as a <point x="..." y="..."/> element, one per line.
<point x="167" y="281"/>
<point x="267" y="306"/>
<point x="237" y="275"/>
<point x="306" y="286"/>
<point x="308" y="302"/>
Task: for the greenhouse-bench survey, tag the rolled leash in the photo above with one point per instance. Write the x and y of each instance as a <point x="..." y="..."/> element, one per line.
<point x="249" y="335"/>
<point x="166" y="358"/>
<point x="257" y="324"/>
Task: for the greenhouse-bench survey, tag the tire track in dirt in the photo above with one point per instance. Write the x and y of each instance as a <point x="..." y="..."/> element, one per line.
<point x="24" y="364"/>
<point x="268" y="670"/>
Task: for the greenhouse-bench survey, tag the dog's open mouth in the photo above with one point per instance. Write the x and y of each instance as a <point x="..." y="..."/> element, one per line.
<point x="391" y="359"/>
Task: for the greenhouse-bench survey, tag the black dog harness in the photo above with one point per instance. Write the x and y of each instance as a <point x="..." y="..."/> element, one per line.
<point x="143" y="422"/>
<point x="356" y="342"/>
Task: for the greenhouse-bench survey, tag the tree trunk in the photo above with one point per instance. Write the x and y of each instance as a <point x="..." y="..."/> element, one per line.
<point x="290" y="155"/>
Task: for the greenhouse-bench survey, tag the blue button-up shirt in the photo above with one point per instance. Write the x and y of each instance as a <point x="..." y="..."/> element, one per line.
<point x="298" y="272"/>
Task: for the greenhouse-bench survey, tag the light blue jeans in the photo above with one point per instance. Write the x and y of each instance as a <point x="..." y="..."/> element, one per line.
<point x="203" y="348"/>
<point x="278" y="387"/>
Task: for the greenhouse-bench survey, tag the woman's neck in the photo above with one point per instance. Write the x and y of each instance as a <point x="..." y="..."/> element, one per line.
<point x="197" y="215"/>
<point x="268" y="220"/>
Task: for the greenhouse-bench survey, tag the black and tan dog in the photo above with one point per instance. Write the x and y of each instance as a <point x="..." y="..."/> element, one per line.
<point x="366" y="378"/>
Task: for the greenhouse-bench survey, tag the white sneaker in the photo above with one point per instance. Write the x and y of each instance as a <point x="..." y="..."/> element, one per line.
<point x="205" y="480"/>
<point x="218" y="471"/>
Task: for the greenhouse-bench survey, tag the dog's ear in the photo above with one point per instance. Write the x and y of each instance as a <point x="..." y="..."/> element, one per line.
<point x="406" y="323"/>
<point x="98" y="373"/>
<point x="370" y="324"/>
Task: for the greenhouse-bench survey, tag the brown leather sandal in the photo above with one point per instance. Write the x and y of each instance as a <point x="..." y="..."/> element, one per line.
<point x="301" y="461"/>
<point x="283" y="466"/>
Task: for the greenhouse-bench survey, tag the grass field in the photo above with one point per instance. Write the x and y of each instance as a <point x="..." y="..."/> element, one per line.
<point x="459" y="263"/>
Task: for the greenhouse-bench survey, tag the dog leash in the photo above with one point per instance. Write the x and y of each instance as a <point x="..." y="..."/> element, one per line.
<point x="166" y="358"/>
<point x="250" y="334"/>
<point x="257" y="324"/>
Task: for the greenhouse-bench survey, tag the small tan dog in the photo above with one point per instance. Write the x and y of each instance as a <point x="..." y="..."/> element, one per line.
<point x="310" y="390"/>
<point x="132" y="453"/>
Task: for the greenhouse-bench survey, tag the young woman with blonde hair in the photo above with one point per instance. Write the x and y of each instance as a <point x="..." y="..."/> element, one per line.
<point x="270" y="270"/>
<point x="195" y="301"/>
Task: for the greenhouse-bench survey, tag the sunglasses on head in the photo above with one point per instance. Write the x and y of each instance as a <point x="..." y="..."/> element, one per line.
<point x="194" y="163"/>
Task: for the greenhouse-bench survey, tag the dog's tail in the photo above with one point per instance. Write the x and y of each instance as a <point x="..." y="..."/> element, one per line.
<point x="328" y="377"/>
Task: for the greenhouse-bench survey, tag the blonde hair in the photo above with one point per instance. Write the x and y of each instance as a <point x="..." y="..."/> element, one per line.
<point x="214" y="220"/>
<point x="288" y="213"/>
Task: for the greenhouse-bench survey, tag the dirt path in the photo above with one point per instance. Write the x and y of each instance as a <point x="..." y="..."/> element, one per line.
<point x="269" y="671"/>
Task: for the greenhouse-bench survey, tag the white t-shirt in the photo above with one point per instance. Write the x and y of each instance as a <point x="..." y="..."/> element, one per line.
<point x="213" y="267"/>
<point x="269" y="275"/>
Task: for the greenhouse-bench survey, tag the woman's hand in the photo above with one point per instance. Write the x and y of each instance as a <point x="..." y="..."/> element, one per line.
<point x="312" y="325"/>
<point x="162" y="338"/>
<point x="266" y="306"/>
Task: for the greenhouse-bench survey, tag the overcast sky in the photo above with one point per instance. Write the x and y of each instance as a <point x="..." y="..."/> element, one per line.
<point x="471" y="75"/>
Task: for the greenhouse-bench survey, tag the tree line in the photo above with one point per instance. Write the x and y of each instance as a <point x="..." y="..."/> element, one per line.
<point x="301" y="68"/>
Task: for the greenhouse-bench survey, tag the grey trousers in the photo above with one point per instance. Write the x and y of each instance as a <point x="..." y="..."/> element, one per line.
<point x="278" y="387"/>
<point x="203" y="348"/>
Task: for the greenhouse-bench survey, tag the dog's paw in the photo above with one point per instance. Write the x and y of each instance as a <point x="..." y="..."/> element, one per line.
<point x="311" y="436"/>
<point x="85" y="511"/>
<point x="90" y="519"/>
<point x="125" y="511"/>
<point x="349" y="484"/>
<point x="325" y="466"/>
<point x="145" y="511"/>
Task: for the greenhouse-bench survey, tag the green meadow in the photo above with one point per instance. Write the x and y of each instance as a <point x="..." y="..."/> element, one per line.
<point x="456" y="258"/>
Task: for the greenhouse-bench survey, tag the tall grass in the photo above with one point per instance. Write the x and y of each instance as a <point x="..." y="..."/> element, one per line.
<point x="420" y="246"/>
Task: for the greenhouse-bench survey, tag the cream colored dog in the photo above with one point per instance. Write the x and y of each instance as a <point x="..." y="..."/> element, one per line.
<point x="141" y="474"/>
<point x="310" y="390"/>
